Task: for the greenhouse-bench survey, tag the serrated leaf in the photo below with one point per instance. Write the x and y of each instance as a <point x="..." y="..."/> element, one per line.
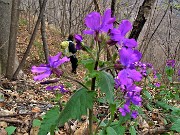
<point x="77" y="105"/>
<point x="36" y="123"/>
<point x="106" y="84"/>
<point x="176" y="126"/>
<point x="110" y="131"/>
<point x="10" y="130"/>
<point x="50" y="120"/>
<point x="132" y="130"/>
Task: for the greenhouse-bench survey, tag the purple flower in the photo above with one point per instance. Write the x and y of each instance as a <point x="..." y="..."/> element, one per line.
<point x="135" y="99"/>
<point x="78" y="38"/>
<point x="170" y="63"/>
<point x="98" y="23"/>
<point x="118" y="35"/>
<point x="46" y="70"/>
<point x="127" y="76"/>
<point x="149" y="65"/>
<point x="179" y="72"/>
<point x="58" y="87"/>
<point x="128" y="56"/>
<point x="157" y="84"/>
<point x="134" y="88"/>
<point x="134" y="114"/>
<point x="124" y="110"/>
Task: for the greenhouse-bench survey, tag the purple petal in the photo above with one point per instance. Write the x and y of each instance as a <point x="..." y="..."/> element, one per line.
<point x="121" y="110"/>
<point x="42" y="76"/>
<point x="35" y="69"/>
<point x="78" y="38"/>
<point x="123" y="77"/>
<point x="54" y="59"/>
<point x="131" y="43"/>
<point x="92" y="20"/>
<point x="125" y="27"/>
<point x="129" y="56"/>
<point x="157" y="84"/>
<point x="107" y="21"/>
<point x="136" y="100"/>
<point x="89" y="32"/>
<point x="61" y="61"/>
<point x="50" y="88"/>
<point x="126" y="108"/>
<point x="62" y="89"/>
<point x="134" y="114"/>
<point x="78" y="46"/>
<point x="135" y="75"/>
<point x="116" y="35"/>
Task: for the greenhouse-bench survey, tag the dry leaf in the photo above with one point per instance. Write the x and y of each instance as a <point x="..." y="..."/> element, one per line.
<point x="36" y="109"/>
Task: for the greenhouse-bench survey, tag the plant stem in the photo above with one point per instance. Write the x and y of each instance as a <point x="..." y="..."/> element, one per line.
<point x="92" y="89"/>
<point x="72" y="79"/>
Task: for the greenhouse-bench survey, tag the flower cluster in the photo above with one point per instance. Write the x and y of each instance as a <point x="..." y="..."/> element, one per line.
<point x="128" y="74"/>
<point x="126" y="78"/>
<point x="45" y="70"/>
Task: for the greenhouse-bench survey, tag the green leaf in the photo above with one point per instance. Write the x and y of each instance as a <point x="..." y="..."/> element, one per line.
<point x="89" y="64"/>
<point x="120" y="130"/>
<point x="112" y="109"/>
<point x="169" y="71"/>
<point x="176" y="126"/>
<point x="147" y="94"/>
<point x="163" y="105"/>
<point x="132" y="130"/>
<point x="123" y="119"/>
<point x="110" y="131"/>
<point x="36" y="123"/>
<point x="50" y="120"/>
<point x="77" y="105"/>
<point x="10" y="130"/>
<point x="106" y="84"/>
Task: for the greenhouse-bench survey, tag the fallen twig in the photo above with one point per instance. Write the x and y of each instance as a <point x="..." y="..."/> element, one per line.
<point x="12" y="121"/>
<point x="157" y="130"/>
<point x="13" y="115"/>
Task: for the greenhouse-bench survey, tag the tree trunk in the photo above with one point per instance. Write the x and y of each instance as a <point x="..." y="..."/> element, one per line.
<point x="43" y="34"/>
<point x="96" y="6"/>
<point x="113" y="4"/>
<point x="141" y="18"/>
<point x="31" y="41"/>
<point x="12" y="39"/>
<point x="5" y="19"/>
<point x="70" y="16"/>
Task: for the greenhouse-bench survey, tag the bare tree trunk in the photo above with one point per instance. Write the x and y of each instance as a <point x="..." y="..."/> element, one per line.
<point x="12" y="39"/>
<point x="43" y="34"/>
<point x="113" y="4"/>
<point x="141" y="18"/>
<point x="96" y="5"/>
<point x="5" y="20"/>
<point x="70" y="16"/>
<point x="31" y="40"/>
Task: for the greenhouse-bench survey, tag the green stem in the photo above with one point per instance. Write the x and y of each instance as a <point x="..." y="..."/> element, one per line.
<point x="93" y="89"/>
<point x="72" y="79"/>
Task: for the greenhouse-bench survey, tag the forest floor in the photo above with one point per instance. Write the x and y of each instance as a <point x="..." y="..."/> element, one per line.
<point x="25" y="101"/>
